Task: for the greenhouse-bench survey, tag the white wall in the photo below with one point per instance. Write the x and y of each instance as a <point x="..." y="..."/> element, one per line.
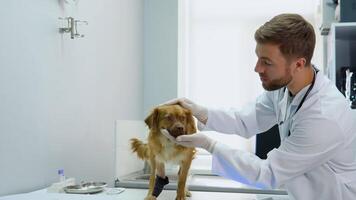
<point x="221" y="44"/>
<point x="59" y="98"/>
<point x="161" y="52"/>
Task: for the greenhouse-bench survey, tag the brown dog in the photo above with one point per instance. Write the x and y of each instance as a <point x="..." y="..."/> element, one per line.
<point x="160" y="150"/>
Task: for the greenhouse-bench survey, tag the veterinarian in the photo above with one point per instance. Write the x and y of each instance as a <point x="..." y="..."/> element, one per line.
<point x="317" y="155"/>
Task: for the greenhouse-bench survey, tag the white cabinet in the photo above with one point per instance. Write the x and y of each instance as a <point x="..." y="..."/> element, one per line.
<point x="341" y="51"/>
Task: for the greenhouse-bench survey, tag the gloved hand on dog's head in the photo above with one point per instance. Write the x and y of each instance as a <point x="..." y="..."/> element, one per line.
<point x="198" y="111"/>
<point x="199" y="140"/>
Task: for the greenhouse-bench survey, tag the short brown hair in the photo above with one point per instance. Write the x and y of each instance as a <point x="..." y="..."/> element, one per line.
<point x="294" y="35"/>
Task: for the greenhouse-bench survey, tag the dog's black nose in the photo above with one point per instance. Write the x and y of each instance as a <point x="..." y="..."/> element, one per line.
<point x="180" y="128"/>
<point x="177" y="131"/>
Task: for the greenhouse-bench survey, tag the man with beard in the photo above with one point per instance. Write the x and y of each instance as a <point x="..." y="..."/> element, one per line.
<point x="317" y="155"/>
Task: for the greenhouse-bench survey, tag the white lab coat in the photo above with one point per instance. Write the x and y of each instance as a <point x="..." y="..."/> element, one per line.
<point x="318" y="159"/>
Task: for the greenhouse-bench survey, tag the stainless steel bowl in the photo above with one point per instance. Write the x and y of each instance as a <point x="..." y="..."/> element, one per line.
<point x="86" y="188"/>
<point x="94" y="184"/>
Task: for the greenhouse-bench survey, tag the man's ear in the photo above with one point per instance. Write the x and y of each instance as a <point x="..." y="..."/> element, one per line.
<point x="300" y="63"/>
<point x="191" y="128"/>
<point x="152" y="119"/>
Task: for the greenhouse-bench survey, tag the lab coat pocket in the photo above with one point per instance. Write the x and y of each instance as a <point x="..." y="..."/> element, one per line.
<point x="351" y="190"/>
<point x="349" y="181"/>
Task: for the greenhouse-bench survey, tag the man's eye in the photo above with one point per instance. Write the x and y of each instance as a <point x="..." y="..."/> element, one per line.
<point x="267" y="62"/>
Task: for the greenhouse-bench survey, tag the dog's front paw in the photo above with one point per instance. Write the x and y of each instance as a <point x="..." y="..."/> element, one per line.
<point x="179" y="197"/>
<point x="150" y="198"/>
<point x="188" y="193"/>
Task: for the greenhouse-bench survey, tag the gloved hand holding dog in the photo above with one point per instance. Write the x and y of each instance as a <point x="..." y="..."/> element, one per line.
<point x="199" y="140"/>
<point x="200" y="112"/>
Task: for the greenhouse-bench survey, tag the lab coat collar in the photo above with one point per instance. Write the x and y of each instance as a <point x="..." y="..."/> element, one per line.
<point x="293" y="105"/>
<point x="319" y="82"/>
<point x="284" y="98"/>
<point x="282" y="104"/>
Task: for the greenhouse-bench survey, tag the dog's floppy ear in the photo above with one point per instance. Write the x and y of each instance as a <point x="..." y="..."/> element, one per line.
<point x="152" y="119"/>
<point x="191" y="128"/>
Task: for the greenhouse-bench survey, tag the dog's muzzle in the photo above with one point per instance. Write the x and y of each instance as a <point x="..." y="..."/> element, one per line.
<point x="177" y="131"/>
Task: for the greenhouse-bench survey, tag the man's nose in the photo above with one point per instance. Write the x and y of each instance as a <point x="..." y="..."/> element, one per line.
<point x="258" y="68"/>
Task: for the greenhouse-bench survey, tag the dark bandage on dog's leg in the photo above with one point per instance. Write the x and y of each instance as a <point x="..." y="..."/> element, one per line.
<point x="159" y="185"/>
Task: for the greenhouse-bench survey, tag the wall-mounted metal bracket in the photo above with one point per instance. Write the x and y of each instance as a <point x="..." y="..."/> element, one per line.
<point x="72" y="27"/>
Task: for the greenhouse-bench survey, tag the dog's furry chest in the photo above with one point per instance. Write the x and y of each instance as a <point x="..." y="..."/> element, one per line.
<point x="170" y="153"/>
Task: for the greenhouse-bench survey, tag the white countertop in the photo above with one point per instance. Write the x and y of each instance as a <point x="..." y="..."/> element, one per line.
<point x="137" y="194"/>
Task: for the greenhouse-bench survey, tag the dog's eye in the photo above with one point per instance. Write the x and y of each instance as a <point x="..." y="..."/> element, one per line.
<point x="169" y="117"/>
<point x="182" y="118"/>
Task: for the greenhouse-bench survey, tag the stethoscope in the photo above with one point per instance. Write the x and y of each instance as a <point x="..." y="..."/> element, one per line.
<point x="305" y="95"/>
